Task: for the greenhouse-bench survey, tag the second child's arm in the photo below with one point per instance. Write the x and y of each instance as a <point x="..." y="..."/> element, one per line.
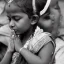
<point x="7" y="58"/>
<point x="8" y="55"/>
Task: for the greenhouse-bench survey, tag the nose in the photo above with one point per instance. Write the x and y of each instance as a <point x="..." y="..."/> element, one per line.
<point x="12" y="24"/>
<point x="52" y="18"/>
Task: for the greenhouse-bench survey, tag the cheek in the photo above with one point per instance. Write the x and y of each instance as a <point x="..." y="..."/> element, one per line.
<point x="45" y="23"/>
<point x="56" y="14"/>
<point x="57" y="17"/>
<point x="23" y="25"/>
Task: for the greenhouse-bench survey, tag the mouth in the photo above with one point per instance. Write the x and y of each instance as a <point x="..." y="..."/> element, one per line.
<point x="16" y="32"/>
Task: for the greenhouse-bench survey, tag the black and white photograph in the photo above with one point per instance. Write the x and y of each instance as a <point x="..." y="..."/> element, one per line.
<point x="31" y="31"/>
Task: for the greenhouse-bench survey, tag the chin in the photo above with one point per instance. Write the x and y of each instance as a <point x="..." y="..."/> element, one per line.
<point x="19" y="33"/>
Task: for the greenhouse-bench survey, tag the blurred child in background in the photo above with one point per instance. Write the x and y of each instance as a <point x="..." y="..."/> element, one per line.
<point x="51" y="23"/>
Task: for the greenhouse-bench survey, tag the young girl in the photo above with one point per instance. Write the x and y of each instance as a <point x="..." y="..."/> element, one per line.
<point x="51" y="23"/>
<point x="33" y="45"/>
<point x="51" y="20"/>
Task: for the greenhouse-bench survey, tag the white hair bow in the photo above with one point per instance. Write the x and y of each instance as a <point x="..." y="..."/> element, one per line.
<point x="9" y="2"/>
<point x="45" y="7"/>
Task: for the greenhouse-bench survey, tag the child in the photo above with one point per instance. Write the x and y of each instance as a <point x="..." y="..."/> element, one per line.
<point x="34" y="45"/>
<point x="52" y="22"/>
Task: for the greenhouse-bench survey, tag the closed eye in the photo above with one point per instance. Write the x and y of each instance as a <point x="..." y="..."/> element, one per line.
<point x="46" y="16"/>
<point x="16" y="18"/>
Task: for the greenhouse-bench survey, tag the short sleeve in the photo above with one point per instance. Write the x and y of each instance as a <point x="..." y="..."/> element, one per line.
<point x="40" y="41"/>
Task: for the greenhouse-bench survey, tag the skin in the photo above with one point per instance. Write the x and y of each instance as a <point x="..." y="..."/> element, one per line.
<point x="22" y="24"/>
<point x="8" y="55"/>
<point x="57" y="16"/>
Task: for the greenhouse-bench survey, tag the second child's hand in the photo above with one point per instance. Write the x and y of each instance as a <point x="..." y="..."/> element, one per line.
<point x="11" y="46"/>
<point x="8" y="55"/>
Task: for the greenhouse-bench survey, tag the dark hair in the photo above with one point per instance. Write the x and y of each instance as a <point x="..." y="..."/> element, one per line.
<point x="26" y="6"/>
<point x="46" y="15"/>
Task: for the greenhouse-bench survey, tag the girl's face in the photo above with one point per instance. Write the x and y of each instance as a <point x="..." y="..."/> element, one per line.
<point x="20" y="22"/>
<point x="52" y="20"/>
<point x="45" y="21"/>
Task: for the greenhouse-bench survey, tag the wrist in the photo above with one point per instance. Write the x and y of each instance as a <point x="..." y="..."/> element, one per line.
<point x="20" y="49"/>
<point x="10" y="51"/>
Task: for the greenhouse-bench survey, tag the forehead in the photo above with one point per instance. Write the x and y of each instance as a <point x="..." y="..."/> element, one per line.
<point x="54" y="11"/>
<point x="12" y="8"/>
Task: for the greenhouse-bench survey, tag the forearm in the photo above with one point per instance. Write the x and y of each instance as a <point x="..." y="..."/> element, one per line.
<point x="30" y="57"/>
<point x="7" y="58"/>
<point x="3" y="40"/>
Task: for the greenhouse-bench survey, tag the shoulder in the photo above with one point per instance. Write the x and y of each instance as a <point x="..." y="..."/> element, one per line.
<point x="43" y="40"/>
<point x="40" y="39"/>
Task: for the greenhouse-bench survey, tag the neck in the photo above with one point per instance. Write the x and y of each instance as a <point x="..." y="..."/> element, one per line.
<point x="25" y="36"/>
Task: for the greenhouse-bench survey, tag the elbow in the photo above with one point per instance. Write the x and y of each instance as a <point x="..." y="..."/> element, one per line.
<point x="41" y="62"/>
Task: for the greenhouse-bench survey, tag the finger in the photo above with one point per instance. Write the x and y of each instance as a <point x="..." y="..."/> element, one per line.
<point x="9" y="40"/>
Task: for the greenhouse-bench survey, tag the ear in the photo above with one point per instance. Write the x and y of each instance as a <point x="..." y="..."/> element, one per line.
<point x="34" y="19"/>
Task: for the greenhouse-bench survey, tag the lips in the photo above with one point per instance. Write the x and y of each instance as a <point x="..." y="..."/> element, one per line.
<point x="16" y="32"/>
